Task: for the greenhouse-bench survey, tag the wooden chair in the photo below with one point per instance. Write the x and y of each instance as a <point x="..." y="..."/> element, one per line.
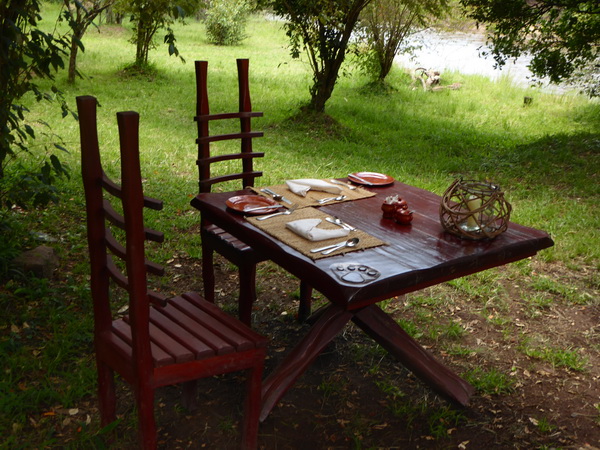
<point x="214" y="238"/>
<point x="160" y="341"/>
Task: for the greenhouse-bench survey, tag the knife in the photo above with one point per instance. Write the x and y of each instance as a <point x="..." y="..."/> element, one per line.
<point x="276" y="196"/>
<point x="258" y="208"/>
<point x="356" y="177"/>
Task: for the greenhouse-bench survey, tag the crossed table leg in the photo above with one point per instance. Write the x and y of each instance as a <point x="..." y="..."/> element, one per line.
<point x="385" y="331"/>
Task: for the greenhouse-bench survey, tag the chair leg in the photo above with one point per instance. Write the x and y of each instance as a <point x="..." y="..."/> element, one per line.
<point x="147" y="423"/>
<point x="208" y="273"/>
<point x="106" y="393"/>
<point x="247" y="296"/>
<point x="305" y="301"/>
<point x="252" y="404"/>
<point x="189" y="393"/>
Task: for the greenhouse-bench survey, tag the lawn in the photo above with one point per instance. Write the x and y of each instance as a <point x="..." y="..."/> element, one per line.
<point x="545" y="156"/>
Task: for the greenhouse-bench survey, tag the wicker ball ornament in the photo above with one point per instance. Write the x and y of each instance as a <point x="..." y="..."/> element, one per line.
<point x="474" y="210"/>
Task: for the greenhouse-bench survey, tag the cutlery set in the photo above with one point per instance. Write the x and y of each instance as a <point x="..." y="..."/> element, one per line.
<point x="289" y="210"/>
<point x="276" y="196"/>
<point x="332" y="248"/>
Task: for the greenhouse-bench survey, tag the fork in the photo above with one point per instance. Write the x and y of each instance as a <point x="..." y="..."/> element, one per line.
<point x="281" y="213"/>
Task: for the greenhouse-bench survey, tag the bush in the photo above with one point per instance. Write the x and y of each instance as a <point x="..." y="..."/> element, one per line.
<point x="226" y="21"/>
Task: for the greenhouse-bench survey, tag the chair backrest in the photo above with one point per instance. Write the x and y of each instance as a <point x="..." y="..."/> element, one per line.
<point x="101" y="217"/>
<point x="203" y="117"/>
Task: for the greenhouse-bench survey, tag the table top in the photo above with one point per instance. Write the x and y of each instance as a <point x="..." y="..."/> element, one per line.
<point x="416" y="256"/>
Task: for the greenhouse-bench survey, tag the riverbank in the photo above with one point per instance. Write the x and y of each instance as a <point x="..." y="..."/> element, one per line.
<point x="468" y="53"/>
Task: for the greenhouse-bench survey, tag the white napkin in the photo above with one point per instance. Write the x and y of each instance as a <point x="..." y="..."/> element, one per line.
<point x="308" y="229"/>
<point x="301" y="187"/>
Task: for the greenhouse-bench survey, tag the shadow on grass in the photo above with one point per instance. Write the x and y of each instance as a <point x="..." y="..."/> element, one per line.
<point x="570" y="163"/>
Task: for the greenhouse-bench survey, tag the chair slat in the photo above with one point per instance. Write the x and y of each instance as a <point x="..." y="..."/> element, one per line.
<point x="118" y="220"/>
<point x="178" y="352"/>
<point x="116" y="274"/>
<point x="230" y="177"/>
<point x="218" y="158"/>
<point x="220" y="346"/>
<point x="115" y="190"/>
<point x="228" y="137"/>
<point x="118" y="250"/>
<point x="199" y="347"/>
<point x="158" y="299"/>
<point x="233" y="115"/>
<point x="214" y="311"/>
<point x="159" y="357"/>
<point x="214" y="325"/>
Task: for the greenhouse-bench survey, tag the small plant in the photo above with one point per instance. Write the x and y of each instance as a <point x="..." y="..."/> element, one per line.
<point x="536" y="304"/>
<point x="442" y="420"/>
<point x="226" y="21"/>
<point x="490" y="382"/>
<point x="454" y="330"/>
<point x="543" y="425"/>
<point x="390" y="389"/>
<point x="411" y="328"/>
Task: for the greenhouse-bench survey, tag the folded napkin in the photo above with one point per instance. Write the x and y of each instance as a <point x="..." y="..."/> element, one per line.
<point x="301" y="187"/>
<point x="308" y="229"/>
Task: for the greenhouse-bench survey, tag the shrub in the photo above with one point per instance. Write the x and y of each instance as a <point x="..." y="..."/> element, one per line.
<point x="226" y="21"/>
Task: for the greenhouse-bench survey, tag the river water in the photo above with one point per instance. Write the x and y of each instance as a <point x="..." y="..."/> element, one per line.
<point x="461" y="52"/>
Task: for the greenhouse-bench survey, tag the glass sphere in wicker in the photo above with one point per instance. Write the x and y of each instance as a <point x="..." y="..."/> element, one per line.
<point x="474" y="210"/>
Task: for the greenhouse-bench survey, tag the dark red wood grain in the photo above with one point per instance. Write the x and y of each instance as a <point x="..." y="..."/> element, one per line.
<point x="416" y="256"/>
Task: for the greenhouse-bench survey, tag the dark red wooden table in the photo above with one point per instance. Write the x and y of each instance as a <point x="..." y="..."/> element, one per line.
<point x="419" y="255"/>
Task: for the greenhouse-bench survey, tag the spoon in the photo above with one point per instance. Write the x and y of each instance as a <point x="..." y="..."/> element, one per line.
<point x="331" y="199"/>
<point x="349" y="243"/>
<point x="327" y="247"/>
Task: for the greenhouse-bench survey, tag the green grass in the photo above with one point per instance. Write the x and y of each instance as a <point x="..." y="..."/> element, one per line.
<point x="559" y="357"/>
<point x="546" y="158"/>
<point x="490" y="381"/>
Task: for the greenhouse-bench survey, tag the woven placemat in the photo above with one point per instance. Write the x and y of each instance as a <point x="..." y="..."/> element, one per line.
<point x="312" y="196"/>
<point x="276" y="228"/>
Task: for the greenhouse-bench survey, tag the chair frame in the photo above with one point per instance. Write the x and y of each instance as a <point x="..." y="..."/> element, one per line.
<point x="214" y="238"/>
<point x="161" y="341"/>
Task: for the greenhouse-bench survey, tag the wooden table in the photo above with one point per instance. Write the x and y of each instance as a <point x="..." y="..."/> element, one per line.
<point x="417" y="256"/>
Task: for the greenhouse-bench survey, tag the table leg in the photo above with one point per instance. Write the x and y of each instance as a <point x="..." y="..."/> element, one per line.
<point x="329" y="324"/>
<point x="383" y="329"/>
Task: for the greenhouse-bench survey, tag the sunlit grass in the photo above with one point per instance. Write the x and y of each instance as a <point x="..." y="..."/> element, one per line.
<point x="545" y="156"/>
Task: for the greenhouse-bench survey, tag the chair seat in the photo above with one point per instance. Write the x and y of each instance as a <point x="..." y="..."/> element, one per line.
<point x="188" y="329"/>
<point x="230" y="246"/>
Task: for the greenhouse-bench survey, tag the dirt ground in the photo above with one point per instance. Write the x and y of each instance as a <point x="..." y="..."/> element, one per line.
<point x="356" y="396"/>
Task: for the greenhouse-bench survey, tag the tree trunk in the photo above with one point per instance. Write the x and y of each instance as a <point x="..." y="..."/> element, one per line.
<point x="325" y="81"/>
<point x="73" y="61"/>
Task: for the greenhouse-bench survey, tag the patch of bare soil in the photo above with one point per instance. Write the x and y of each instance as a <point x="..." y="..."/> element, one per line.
<point x="356" y="396"/>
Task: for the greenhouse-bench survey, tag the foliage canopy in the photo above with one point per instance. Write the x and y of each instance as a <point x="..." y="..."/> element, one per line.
<point x="387" y="23"/>
<point x="323" y="28"/>
<point x="562" y="36"/>
<point x="27" y="54"/>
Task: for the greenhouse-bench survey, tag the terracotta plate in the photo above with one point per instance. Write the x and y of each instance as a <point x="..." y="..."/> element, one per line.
<point x="370" y="178"/>
<point x="243" y="203"/>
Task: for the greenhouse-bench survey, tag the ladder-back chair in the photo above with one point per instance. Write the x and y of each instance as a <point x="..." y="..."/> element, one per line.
<point x="214" y="238"/>
<point x="159" y="341"/>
